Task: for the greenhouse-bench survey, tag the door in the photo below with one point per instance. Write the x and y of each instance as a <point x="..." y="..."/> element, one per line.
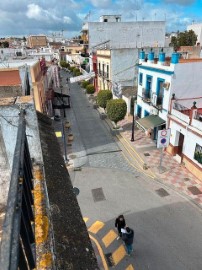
<point x="180" y="144"/>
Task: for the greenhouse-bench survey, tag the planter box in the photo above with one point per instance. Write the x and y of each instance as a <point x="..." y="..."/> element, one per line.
<point x="103" y="116"/>
<point x="115" y="131"/>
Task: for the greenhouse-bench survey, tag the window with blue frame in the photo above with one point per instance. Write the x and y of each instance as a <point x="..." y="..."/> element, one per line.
<point x="140" y="78"/>
<point x="146" y="113"/>
<point x="159" y="91"/>
<point x="148" y="86"/>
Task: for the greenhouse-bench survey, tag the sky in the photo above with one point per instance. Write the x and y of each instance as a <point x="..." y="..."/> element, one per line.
<point x="27" y="17"/>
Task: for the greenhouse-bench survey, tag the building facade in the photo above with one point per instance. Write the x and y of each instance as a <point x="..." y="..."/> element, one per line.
<point x="36" y="41"/>
<point x="197" y="28"/>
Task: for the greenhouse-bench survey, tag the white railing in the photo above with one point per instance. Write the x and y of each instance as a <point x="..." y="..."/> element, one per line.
<point x="180" y="115"/>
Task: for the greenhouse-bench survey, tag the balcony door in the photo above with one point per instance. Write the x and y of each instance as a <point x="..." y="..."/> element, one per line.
<point x="148" y="86"/>
<point x="180" y="144"/>
<point x="159" y="91"/>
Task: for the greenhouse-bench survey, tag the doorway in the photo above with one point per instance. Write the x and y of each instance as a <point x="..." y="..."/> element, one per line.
<point x="180" y="144"/>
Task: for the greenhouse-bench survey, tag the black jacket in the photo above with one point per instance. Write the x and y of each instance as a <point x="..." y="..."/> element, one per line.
<point x="128" y="237"/>
<point x="120" y="223"/>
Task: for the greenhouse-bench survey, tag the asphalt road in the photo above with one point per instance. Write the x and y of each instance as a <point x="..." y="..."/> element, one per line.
<point x="167" y="229"/>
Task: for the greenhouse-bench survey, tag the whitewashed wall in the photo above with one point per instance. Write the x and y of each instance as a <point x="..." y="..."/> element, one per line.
<point x="127" y="34"/>
<point x="197" y="28"/>
<point x="187" y="80"/>
<point x="190" y="140"/>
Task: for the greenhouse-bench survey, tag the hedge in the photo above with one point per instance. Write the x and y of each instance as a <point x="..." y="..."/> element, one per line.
<point x="116" y="110"/>
<point x="90" y="89"/>
<point x="85" y="83"/>
<point x="102" y="97"/>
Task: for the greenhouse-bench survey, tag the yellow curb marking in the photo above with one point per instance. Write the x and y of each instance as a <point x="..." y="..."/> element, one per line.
<point x="140" y="170"/>
<point x="109" y="238"/>
<point x="119" y="254"/>
<point x="58" y="134"/>
<point x="120" y="137"/>
<point x="85" y="219"/>
<point x="130" y="267"/>
<point x="98" y="225"/>
<point x="100" y="252"/>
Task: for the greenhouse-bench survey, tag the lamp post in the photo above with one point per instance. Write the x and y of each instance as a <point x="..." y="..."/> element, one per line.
<point x="133" y="123"/>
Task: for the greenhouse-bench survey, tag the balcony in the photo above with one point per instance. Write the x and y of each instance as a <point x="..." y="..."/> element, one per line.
<point x="181" y="112"/>
<point x="157" y="101"/>
<point x="146" y="96"/>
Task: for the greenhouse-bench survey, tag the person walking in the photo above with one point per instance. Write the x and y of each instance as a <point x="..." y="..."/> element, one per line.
<point x="128" y="237"/>
<point x="120" y="224"/>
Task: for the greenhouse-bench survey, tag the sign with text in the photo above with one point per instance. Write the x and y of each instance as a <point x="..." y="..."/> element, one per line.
<point x="86" y="76"/>
<point x="163" y="138"/>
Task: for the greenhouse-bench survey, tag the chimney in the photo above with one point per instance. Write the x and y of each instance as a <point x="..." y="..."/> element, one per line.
<point x="162" y="57"/>
<point x="142" y="56"/>
<point x="193" y="112"/>
<point x="151" y="56"/>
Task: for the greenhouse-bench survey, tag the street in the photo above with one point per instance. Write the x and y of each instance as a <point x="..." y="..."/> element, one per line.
<point x="167" y="226"/>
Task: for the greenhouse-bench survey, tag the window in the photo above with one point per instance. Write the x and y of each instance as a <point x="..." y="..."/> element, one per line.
<point x="103" y="69"/>
<point x="140" y="78"/>
<point x="99" y="71"/>
<point x="107" y="71"/>
<point x="105" y="20"/>
<point x="198" y="153"/>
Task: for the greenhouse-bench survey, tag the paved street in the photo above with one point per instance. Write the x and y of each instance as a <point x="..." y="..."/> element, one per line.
<point x="167" y="226"/>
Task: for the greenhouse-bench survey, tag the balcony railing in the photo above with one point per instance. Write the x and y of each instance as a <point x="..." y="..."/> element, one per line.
<point x="181" y="108"/>
<point x="18" y="241"/>
<point x="146" y="96"/>
<point x="198" y="116"/>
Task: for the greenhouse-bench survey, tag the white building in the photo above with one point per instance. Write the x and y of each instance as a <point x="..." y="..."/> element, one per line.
<point x="167" y="92"/>
<point x="120" y="34"/>
<point x="185" y="121"/>
<point x="197" y="28"/>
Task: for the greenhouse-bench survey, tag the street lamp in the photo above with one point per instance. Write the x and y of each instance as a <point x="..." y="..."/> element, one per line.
<point x="133" y="124"/>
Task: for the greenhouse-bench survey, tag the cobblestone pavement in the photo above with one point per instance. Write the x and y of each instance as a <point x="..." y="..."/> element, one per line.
<point x="175" y="175"/>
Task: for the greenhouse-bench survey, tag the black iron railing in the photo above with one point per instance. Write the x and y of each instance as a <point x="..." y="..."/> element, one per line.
<point x="181" y="108"/>
<point x="146" y="96"/>
<point x="18" y="241"/>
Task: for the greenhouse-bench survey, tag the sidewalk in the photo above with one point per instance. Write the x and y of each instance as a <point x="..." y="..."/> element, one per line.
<point x="175" y="175"/>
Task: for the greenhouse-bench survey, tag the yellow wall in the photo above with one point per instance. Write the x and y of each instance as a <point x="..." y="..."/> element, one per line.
<point x="104" y="57"/>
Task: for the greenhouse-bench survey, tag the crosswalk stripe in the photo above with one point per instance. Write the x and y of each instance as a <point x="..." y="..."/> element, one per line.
<point x="118" y="254"/>
<point x="109" y="238"/>
<point x="96" y="226"/>
<point x="85" y="219"/>
<point x="130" y="267"/>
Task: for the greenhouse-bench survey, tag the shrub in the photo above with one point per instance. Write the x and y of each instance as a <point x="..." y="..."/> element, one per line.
<point x="76" y="71"/>
<point x="90" y="89"/>
<point x="85" y="83"/>
<point x="102" y="97"/>
<point x="116" y="109"/>
<point x="71" y="68"/>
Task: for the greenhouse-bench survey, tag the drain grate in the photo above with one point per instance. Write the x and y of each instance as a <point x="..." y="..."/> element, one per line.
<point x="146" y="154"/>
<point x="109" y="259"/>
<point x="98" y="195"/>
<point x="194" y="190"/>
<point x="186" y="179"/>
<point x="162" y="192"/>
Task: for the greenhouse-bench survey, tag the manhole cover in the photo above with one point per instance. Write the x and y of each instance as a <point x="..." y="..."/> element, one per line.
<point x="98" y="195"/>
<point x="109" y="259"/>
<point x="162" y="192"/>
<point x="72" y="156"/>
<point x="146" y="154"/>
<point x="186" y="179"/>
<point x="194" y="190"/>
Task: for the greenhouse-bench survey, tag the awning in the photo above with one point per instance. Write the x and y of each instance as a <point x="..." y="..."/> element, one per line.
<point x="150" y="121"/>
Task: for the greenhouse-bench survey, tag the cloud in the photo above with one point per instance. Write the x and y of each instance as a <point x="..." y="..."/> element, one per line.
<point x="101" y="4"/>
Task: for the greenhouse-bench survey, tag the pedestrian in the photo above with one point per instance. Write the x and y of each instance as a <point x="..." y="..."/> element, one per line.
<point x="120" y="224"/>
<point x="128" y="239"/>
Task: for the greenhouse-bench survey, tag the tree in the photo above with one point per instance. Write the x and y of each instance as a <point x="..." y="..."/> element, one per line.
<point x="186" y="38"/>
<point x="85" y="83"/>
<point x="5" y="44"/>
<point x="116" y="110"/>
<point x="24" y="39"/>
<point x="102" y="97"/>
<point x="90" y="89"/>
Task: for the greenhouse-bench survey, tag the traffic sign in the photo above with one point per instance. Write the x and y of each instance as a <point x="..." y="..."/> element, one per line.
<point x="163" y="138"/>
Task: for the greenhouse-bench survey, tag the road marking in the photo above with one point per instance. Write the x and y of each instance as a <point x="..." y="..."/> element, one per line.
<point x="130" y="267"/>
<point x="100" y="252"/>
<point x="109" y="238"/>
<point x="118" y="254"/>
<point x="98" y="225"/>
<point x="120" y="137"/>
<point x="85" y="219"/>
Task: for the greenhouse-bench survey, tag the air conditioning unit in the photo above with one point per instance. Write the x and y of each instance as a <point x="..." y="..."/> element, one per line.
<point x="154" y="99"/>
<point x="166" y="85"/>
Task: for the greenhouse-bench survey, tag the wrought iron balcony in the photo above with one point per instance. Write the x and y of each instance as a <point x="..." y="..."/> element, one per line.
<point x="146" y="96"/>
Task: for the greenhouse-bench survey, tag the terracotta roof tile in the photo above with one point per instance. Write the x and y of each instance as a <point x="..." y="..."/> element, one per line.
<point x="8" y="78"/>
